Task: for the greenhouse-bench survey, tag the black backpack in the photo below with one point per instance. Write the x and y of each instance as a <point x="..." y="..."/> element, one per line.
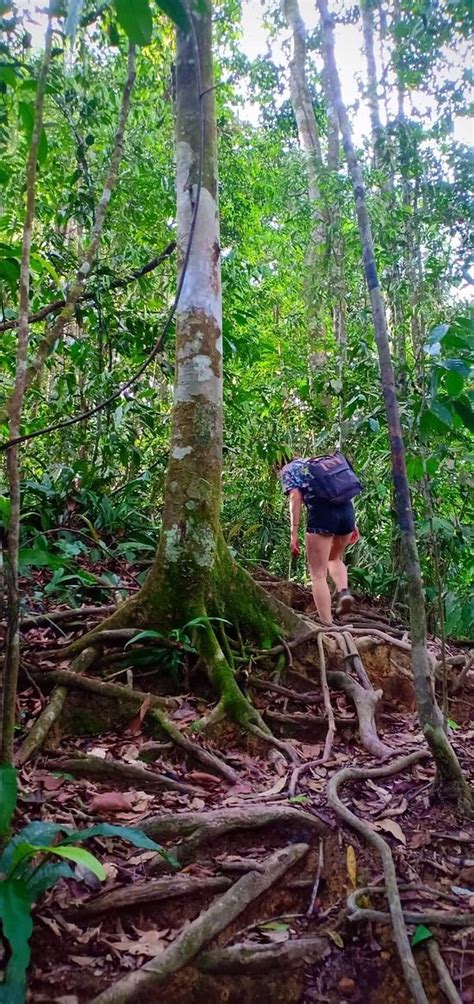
<point x="331" y="479"/>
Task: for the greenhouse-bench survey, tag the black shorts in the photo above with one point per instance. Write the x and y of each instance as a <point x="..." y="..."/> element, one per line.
<point x="325" y="517"/>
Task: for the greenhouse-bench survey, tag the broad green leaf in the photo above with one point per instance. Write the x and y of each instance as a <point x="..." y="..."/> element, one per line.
<point x="143" y="636"/>
<point x="421" y="934"/>
<point x="135" y="18"/>
<point x="453" y="725"/>
<point x="128" y="833"/>
<point x="465" y="412"/>
<point x="38" y="558"/>
<point x="176" y="11"/>
<point x="441" y="412"/>
<point x="80" y="856"/>
<point x="46" y="876"/>
<point x="8" y="794"/>
<point x="437" y="334"/>
<point x="34" y="834"/>
<point x="454" y="383"/>
<point x="17" y="926"/>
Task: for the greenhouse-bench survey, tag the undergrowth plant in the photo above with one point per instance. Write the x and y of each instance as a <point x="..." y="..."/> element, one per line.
<point x="29" y="866"/>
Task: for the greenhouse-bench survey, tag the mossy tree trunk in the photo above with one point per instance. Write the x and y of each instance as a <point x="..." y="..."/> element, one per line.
<point x="194" y="575"/>
<point x="450" y="776"/>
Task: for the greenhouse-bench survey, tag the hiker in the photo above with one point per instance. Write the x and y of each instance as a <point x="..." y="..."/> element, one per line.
<point x="326" y="485"/>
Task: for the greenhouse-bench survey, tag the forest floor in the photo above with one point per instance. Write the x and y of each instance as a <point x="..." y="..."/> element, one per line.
<point x="301" y="945"/>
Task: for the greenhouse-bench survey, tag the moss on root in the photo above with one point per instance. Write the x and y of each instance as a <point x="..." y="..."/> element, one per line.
<point x="450" y="781"/>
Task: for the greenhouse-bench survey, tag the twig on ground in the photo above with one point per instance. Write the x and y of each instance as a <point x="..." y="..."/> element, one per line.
<point x="200" y="931"/>
<point x="52" y="711"/>
<point x="445" y="981"/>
<point x="327" y="701"/>
<point x="314" y="891"/>
<point x="298" y="773"/>
<point x="402" y="940"/>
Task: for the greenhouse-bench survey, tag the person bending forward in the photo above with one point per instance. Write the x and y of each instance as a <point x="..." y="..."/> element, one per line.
<point x="330" y="528"/>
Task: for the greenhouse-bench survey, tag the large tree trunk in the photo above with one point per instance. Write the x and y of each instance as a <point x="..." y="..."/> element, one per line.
<point x="450" y="775"/>
<point x="193" y="575"/>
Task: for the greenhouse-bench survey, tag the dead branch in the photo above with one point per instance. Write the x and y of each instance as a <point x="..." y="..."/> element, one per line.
<point x="445" y="980"/>
<point x="52" y="711"/>
<point x="327" y="701"/>
<point x="149" y="891"/>
<point x="434" y="917"/>
<point x="124" y="774"/>
<point x="200" y="931"/>
<point x="249" y="958"/>
<point x="402" y="940"/>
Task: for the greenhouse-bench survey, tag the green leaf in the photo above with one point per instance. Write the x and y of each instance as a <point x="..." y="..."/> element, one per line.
<point x="453" y="725"/>
<point x="8" y="794"/>
<point x="135" y="18"/>
<point x="44" y="877"/>
<point x="274" y="925"/>
<point x="465" y="412"/>
<point x="437" y="334"/>
<point x="38" y="558"/>
<point x="441" y="412"/>
<point x="421" y="934"/>
<point x="17" y="926"/>
<point x="80" y="856"/>
<point x="176" y="11"/>
<point x="454" y="383"/>
<point x="142" y="635"/>
<point x="129" y="833"/>
<point x="34" y="834"/>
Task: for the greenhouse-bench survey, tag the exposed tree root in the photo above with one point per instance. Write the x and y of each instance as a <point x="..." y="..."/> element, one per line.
<point x="298" y="773"/>
<point x="310" y="697"/>
<point x="357" y="663"/>
<point x="123" y="774"/>
<point x="327" y="701"/>
<point x="286" y="748"/>
<point x="445" y="981"/>
<point x="249" y="958"/>
<point x="52" y="711"/>
<point x="402" y="940"/>
<point x="300" y="724"/>
<point x="59" y="616"/>
<point x="433" y="917"/>
<point x="200" y="827"/>
<point x="149" y="891"/>
<point x="366" y="702"/>
<point x="210" y="923"/>
<point x="136" y="698"/>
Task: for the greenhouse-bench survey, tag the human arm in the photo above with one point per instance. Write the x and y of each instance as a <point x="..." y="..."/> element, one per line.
<point x="296" y="501"/>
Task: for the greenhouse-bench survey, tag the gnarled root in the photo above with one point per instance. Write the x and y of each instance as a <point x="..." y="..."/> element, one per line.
<point x="402" y="940"/>
<point x="200" y="931"/>
<point x="366" y="702"/>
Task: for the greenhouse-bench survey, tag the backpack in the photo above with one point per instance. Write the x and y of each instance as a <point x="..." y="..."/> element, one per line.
<point x="331" y="479"/>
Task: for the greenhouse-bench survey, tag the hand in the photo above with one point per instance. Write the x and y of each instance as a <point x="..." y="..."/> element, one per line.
<point x="294" y="548"/>
<point x="355" y="536"/>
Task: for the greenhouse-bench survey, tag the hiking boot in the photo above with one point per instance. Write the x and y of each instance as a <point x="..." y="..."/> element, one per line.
<point x="344" y="602"/>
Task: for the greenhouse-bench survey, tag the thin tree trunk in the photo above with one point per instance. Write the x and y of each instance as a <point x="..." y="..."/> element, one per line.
<point x="448" y="767"/>
<point x="367" y="13"/>
<point x="12" y="656"/>
<point x="310" y="144"/>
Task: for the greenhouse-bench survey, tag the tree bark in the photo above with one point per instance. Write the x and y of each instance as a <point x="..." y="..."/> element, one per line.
<point x="450" y="775"/>
<point x="12" y="657"/>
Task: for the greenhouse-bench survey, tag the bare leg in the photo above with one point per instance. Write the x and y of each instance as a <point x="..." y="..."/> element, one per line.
<point x="318" y="547"/>
<point x="337" y="568"/>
